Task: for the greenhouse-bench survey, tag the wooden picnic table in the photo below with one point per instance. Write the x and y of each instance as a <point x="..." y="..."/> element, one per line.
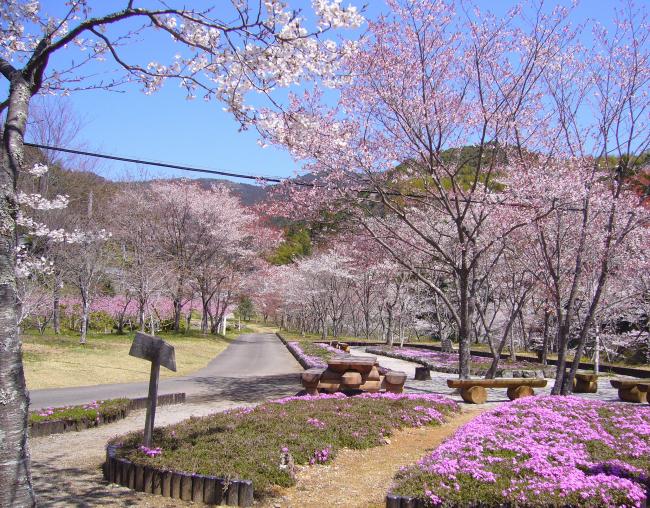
<point x="352" y="373"/>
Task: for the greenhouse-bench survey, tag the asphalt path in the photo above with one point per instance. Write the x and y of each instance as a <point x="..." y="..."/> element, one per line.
<point x="255" y="366"/>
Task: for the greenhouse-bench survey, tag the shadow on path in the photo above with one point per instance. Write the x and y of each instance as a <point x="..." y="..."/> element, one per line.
<point x="250" y="389"/>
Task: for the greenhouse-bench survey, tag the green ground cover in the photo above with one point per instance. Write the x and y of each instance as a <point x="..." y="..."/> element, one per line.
<point x="254" y="443"/>
<point x="85" y="412"/>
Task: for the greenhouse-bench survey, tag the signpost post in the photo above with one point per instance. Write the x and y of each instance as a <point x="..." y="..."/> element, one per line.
<point x="158" y="352"/>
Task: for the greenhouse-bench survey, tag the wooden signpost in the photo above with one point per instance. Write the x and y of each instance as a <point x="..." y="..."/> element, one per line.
<point x="158" y="352"/>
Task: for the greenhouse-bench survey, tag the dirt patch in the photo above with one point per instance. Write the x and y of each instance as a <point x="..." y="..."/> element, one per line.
<point x="360" y="478"/>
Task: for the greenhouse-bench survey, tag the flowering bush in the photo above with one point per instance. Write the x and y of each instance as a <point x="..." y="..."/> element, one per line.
<point x="150" y="452"/>
<point x="257" y="442"/>
<point x="556" y="451"/>
<point x="309" y="361"/>
<point x="448" y="362"/>
<point x="314" y="354"/>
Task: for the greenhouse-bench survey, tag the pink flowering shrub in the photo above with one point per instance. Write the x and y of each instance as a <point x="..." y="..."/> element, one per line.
<point x="540" y="451"/>
<point x="314" y="354"/>
<point x="309" y="361"/>
<point x="257" y="443"/>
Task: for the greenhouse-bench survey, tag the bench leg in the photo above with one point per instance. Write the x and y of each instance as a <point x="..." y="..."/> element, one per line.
<point x="393" y="388"/>
<point x="517" y="392"/>
<point x="474" y="394"/>
<point x="580" y="386"/>
<point x="632" y="394"/>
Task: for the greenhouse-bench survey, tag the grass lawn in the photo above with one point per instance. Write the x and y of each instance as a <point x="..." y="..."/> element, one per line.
<point x="56" y="361"/>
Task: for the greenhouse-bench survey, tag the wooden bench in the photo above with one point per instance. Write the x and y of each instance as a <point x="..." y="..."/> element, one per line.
<point x="473" y="390"/>
<point x="631" y="390"/>
<point x="352" y="373"/>
<point x="343" y="346"/>
<point x="585" y="382"/>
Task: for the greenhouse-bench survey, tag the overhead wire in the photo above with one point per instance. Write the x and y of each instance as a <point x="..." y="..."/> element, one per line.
<point x="257" y="178"/>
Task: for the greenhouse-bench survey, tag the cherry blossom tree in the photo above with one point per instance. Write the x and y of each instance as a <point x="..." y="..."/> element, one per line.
<point x="395" y="150"/>
<point x="255" y="46"/>
<point x="141" y="272"/>
<point x="450" y="122"/>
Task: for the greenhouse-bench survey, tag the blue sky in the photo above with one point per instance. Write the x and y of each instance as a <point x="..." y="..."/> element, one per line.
<point x="167" y="127"/>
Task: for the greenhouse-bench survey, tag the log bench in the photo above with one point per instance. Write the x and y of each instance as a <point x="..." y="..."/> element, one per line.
<point x="352" y="373"/>
<point x="343" y="346"/>
<point x="631" y="390"/>
<point x="473" y="390"/>
<point x="585" y="382"/>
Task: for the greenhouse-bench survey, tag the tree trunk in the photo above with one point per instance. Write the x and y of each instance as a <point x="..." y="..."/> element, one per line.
<point x="85" y="311"/>
<point x="597" y="351"/>
<point x="56" y="303"/>
<point x="544" y="356"/>
<point x="177" y="313"/>
<point x="141" y="316"/>
<point x="15" y="476"/>
<point x="204" y="317"/>
<point x="562" y="339"/>
<point x="389" y="328"/>
<point x="513" y="355"/>
<point x="464" y="338"/>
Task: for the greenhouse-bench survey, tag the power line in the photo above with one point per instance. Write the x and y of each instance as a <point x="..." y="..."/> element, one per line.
<point x="269" y="179"/>
<point x="166" y="165"/>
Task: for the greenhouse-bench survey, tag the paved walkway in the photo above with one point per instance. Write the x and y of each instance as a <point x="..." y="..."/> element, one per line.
<point x="66" y="467"/>
<point x="438" y="382"/>
<point x="254" y="366"/>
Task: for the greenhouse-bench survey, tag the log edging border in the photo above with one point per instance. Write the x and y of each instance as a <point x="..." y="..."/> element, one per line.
<point x="198" y="488"/>
<point x="49" y="427"/>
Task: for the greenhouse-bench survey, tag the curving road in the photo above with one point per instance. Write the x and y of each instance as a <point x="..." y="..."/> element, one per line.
<point x="65" y="467"/>
<point x="254" y="367"/>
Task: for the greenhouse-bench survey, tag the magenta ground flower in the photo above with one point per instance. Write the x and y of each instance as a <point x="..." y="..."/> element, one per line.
<point x="150" y="452"/>
<point x="548" y="450"/>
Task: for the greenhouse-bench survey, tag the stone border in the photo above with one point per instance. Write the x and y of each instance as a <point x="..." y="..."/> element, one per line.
<point x="176" y="485"/>
<point x="294" y="353"/>
<point x="548" y="372"/>
<point x="48" y="427"/>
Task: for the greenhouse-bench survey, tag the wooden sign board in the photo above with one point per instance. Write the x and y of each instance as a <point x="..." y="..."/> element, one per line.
<point x="158" y="352"/>
<point x="153" y="349"/>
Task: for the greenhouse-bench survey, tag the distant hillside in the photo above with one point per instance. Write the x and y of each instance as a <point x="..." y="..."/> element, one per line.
<point x="249" y="194"/>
